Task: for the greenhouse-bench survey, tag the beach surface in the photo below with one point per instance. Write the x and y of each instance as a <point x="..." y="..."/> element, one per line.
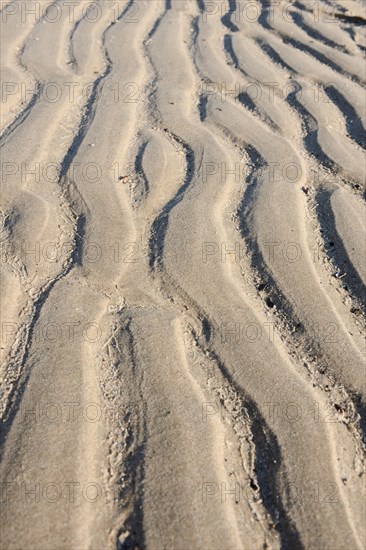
<point x="183" y="265"/>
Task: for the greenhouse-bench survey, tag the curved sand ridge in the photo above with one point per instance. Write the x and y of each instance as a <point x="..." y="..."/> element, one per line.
<point x="183" y="304"/>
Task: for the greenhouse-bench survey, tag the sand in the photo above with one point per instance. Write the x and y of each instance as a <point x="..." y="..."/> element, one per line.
<point x="183" y="273"/>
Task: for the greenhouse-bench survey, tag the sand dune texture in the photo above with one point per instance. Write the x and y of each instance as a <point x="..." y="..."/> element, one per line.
<point x="183" y="268"/>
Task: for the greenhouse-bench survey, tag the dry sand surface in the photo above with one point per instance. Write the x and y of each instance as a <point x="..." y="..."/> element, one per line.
<point x="183" y="273"/>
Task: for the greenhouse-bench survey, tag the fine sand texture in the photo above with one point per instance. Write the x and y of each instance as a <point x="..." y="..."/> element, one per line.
<point x="183" y="264"/>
